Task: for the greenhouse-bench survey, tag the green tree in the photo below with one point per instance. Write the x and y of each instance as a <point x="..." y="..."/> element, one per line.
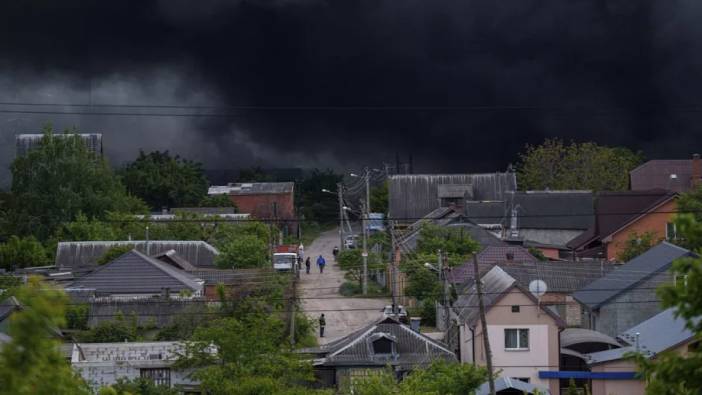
<point x="244" y="251"/>
<point x="379" y="198"/>
<point x="691" y="203"/>
<point x="120" y="329"/>
<point x="453" y="243"/>
<point x="221" y="200"/>
<point x="351" y="261"/>
<point x="636" y="244"/>
<point x="252" y="357"/>
<point x="162" y="180"/>
<point x="31" y="363"/>
<point x="315" y="205"/>
<point x="673" y="373"/>
<point x="59" y="179"/>
<point x="113" y="253"/>
<point x="84" y="229"/>
<point x="137" y="386"/>
<point x="22" y="252"/>
<point x="555" y="165"/>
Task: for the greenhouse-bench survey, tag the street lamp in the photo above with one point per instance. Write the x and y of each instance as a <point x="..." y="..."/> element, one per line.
<point x="341" y="212"/>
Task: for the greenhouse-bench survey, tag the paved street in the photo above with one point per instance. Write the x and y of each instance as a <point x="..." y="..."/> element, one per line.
<point x="319" y="293"/>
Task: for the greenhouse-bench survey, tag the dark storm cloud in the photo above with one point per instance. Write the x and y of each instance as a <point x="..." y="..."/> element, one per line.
<point x="460" y="84"/>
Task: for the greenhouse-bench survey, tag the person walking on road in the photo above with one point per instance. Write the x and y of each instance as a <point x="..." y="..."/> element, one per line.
<point x="321" y="262"/>
<point x="307" y="265"/>
<point x="335" y="252"/>
<point x="322" y="324"/>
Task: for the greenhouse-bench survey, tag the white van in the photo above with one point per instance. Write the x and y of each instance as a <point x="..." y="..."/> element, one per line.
<point x="284" y="261"/>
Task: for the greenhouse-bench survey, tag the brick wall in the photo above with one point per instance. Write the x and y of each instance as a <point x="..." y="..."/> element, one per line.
<point x="655" y="222"/>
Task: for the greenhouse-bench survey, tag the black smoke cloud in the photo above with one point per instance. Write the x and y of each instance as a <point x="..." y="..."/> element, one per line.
<point x="460" y="84"/>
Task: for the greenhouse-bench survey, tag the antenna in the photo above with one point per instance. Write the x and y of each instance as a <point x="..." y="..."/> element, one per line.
<point x="538" y="288"/>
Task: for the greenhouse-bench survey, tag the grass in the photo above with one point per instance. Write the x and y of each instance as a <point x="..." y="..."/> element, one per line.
<point x="353" y="288"/>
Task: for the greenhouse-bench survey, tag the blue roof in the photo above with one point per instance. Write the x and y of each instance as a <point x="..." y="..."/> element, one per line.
<point x="655" y="260"/>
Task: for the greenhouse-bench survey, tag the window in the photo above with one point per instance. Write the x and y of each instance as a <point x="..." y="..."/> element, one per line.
<point x="524" y="379"/>
<point x="160" y="376"/>
<point x="671" y="231"/>
<point x="382" y="346"/>
<point x="515" y="309"/>
<point x="516" y="339"/>
<point x="680" y="280"/>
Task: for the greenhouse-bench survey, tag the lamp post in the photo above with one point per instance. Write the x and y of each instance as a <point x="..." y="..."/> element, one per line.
<point x="339" y="192"/>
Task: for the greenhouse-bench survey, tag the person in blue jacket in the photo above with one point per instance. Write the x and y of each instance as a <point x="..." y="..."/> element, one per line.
<point x="321" y="263"/>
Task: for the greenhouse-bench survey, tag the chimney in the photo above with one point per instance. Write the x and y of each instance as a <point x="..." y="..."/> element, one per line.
<point x="510" y="255"/>
<point x="696" y="170"/>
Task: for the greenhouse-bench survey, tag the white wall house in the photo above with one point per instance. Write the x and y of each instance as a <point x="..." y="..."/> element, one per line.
<point x="101" y="364"/>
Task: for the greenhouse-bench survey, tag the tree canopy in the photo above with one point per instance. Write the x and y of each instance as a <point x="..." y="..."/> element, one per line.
<point x="162" y="180"/>
<point x="22" y="252"/>
<point x="555" y="165"/>
<point x="59" y="179"/>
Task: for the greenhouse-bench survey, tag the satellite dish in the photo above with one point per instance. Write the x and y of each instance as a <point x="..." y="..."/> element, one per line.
<point x="538" y="288"/>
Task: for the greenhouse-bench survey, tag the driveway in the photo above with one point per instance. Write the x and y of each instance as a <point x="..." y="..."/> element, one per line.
<point x="319" y="293"/>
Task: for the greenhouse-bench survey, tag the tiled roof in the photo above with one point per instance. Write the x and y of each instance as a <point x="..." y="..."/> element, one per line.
<point x="614" y="210"/>
<point x="657" y="174"/>
<point x="628" y="275"/>
<point x="496" y="254"/>
<point x="655" y="335"/>
<point x="136" y="273"/>
<point x="231" y="276"/>
<point x="82" y="255"/>
<point x="446" y="216"/>
<point x="495" y="283"/>
<point x="412" y="348"/>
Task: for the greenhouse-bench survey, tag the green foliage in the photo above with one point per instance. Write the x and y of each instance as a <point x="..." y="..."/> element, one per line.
<point x="118" y="330"/>
<point x="555" y="165"/>
<point x="315" y="205"/>
<point x="245" y="251"/>
<point x="221" y="200"/>
<point x="672" y="373"/>
<point x="136" y="386"/>
<point x="453" y="243"/>
<point x="9" y="283"/>
<point x="31" y="362"/>
<point x="351" y="261"/>
<point x="22" y="252"/>
<point x="85" y="229"/>
<point x="379" y="197"/>
<point x="114" y="253"/>
<point x="252" y="357"/>
<point x="60" y="178"/>
<point x="538" y="254"/>
<point x="439" y="378"/>
<point x="162" y="180"/>
<point x="77" y="316"/>
<point x="636" y="244"/>
<point x="691" y="203"/>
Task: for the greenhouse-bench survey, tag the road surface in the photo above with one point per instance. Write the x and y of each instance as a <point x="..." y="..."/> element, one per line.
<point x="319" y="293"/>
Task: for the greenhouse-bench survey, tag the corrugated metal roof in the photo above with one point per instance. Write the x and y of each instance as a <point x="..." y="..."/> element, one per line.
<point x="412" y="196"/>
<point x="8" y="306"/>
<point x="252" y="188"/>
<point x="657" y="334"/>
<point x="495" y="283"/>
<point x="506" y="383"/>
<point x="136" y="273"/>
<point x="573" y="336"/>
<point x="81" y="255"/>
<point x="628" y="275"/>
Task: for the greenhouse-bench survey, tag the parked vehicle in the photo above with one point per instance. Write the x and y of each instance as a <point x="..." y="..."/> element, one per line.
<point x="400" y="313"/>
<point x="351" y="242"/>
<point x="284" y="261"/>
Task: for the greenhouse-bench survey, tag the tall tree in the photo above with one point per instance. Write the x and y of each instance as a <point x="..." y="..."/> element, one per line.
<point x="22" y="252"/>
<point x="314" y="204"/>
<point x="60" y="178"/>
<point x="31" y="363"/>
<point x="555" y="165"/>
<point x="162" y="180"/>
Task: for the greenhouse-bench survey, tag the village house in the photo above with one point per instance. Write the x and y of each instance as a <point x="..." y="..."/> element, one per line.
<point x="101" y="364"/>
<point x="80" y="257"/>
<point x="677" y="175"/>
<point x="546" y="220"/>
<point x="619" y="215"/>
<point x="271" y="201"/>
<point x="607" y="302"/>
<point x="412" y="196"/>
<point x="385" y="342"/>
<point x="524" y="335"/>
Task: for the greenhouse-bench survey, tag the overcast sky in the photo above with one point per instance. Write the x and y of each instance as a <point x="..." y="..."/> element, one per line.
<point x="461" y="85"/>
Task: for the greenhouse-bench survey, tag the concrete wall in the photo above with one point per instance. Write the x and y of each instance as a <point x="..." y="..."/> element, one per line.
<point x="653" y="222"/>
<point x="631" y="307"/>
<point x="543" y="353"/>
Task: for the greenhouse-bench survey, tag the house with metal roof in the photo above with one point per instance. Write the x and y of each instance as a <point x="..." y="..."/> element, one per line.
<point x="677" y="175"/>
<point x="385" y="342"/>
<point x="81" y="257"/>
<point x="28" y="141"/>
<point x="7" y="307"/>
<point x="608" y="301"/>
<point x="524" y="335"/>
<point x="547" y="220"/>
<point x="412" y="196"/>
<point x="619" y="215"/>
<point x="134" y="275"/>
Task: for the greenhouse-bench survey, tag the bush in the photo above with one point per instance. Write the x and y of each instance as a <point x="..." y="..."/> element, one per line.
<point x="350" y="288"/>
<point x="77" y="316"/>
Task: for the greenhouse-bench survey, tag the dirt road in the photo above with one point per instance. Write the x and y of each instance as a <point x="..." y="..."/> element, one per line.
<point x="319" y="293"/>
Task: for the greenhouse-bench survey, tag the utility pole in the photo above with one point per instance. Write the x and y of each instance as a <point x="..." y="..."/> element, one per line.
<point x="341" y="216"/>
<point x="296" y="274"/>
<point x="444" y="285"/>
<point x="393" y="268"/>
<point x="368" y="207"/>
<point x="483" y="323"/>
<point x="364" y="214"/>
